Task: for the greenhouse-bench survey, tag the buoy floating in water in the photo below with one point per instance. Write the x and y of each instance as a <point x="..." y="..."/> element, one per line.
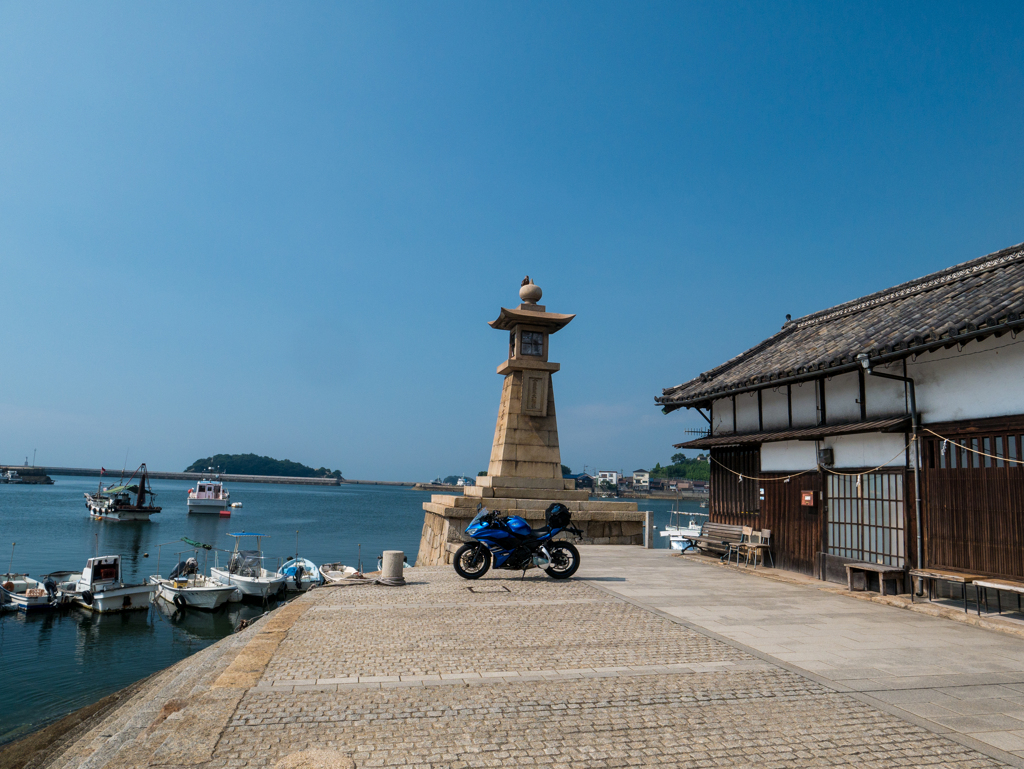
<point x="236" y="504"/>
<point x="225" y="513"/>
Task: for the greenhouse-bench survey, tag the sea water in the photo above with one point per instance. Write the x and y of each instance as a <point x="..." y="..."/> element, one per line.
<point x="56" y="662"/>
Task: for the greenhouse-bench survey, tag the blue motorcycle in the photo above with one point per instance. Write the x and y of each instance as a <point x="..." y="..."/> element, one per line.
<point x="511" y="544"/>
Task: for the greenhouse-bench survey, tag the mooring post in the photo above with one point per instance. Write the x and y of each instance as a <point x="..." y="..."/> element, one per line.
<point x="649" y="529"/>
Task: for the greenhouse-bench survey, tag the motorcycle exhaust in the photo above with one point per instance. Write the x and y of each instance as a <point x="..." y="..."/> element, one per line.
<point x="543" y="559"/>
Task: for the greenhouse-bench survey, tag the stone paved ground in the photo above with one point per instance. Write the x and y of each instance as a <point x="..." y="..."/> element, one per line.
<point x="505" y="672"/>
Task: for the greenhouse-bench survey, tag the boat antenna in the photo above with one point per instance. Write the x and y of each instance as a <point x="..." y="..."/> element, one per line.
<point x="360" y="560"/>
<point x="10" y="568"/>
<point x="125" y="468"/>
<point x="296" y="543"/>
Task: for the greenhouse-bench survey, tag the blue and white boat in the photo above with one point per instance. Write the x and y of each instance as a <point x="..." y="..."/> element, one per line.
<point x="302" y="574"/>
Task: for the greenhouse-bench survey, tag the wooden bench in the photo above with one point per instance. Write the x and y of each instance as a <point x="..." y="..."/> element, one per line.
<point x="884" y="573"/>
<point x="718" y="538"/>
<point x="998" y="585"/>
<point x="961" y="578"/>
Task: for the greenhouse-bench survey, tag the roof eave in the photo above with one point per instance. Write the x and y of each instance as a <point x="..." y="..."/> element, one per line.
<point x="705" y="398"/>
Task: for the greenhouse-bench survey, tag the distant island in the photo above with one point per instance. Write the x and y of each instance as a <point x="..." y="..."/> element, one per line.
<point x="251" y="464"/>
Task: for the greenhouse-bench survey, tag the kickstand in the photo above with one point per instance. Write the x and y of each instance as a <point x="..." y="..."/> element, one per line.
<point x="524" y="576"/>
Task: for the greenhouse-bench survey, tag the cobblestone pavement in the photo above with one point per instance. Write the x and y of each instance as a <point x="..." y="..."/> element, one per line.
<point x="504" y="672"/>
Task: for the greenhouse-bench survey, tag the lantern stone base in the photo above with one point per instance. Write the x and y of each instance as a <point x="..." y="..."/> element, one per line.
<point x="446" y="518"/>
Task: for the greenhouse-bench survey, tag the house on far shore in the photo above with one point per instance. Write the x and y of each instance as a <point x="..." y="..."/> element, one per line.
<point x="885" y="430"/>
<point x="609" y="476"/>
<point x="583" y="480"/>
<point x="641" y="480"/>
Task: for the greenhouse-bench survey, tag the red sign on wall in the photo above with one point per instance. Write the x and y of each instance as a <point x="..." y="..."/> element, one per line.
<point x="807" y="498"/>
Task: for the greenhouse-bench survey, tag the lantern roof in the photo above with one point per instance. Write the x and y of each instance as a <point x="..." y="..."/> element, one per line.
<point x="530" y="315"/>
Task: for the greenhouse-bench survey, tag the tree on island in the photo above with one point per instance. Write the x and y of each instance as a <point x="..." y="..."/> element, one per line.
<point x="566" y="471"/>
<point x="251" y="464"/>
<point x="695" y="469"/>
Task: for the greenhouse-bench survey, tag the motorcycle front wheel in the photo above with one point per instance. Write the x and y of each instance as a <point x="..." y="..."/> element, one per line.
<point x="472" y="560"/>
<point x="565" y="559"/>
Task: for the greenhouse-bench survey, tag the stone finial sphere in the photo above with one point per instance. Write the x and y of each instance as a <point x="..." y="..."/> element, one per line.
<point x="530" y="293"/>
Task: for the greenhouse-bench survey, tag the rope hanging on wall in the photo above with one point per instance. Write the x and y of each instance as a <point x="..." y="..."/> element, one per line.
<point x="947" y="441"/>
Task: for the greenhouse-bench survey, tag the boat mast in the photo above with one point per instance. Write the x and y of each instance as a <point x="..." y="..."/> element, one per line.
<point x="142" y="486"/>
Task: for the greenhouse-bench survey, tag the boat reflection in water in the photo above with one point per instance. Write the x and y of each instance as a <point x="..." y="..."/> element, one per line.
<point x="205" y="625"/>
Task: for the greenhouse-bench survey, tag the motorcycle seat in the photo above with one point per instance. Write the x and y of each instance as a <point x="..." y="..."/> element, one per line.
<point x="536" y="534"/>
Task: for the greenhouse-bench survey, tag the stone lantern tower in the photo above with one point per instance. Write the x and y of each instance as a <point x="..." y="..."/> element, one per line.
<point x="525" y="471"/>
<point x="526" y="436"/>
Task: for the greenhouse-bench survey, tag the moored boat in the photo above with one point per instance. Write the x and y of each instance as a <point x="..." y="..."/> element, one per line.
<point x="210" y="497"/>
<point x="339" y="573"/>
<point x="246" y="572"/>
<point x="99" y="588"/>
<point x="26" y="594"/>
<point x="115" y="503"/>
<point x="681" y="538"/>
<point x="301" y="574"/>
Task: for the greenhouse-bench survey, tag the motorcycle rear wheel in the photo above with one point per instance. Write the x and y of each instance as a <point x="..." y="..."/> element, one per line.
<point x="565" y="559"/>
<point x="472" y="560"/>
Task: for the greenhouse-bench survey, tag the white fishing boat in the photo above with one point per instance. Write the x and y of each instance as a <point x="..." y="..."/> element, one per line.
<point x="100" y="588"/>
<point x="246" y="572"/>
<point x="194" y="591"/>
<point x="681" y="537"/>
<point x="115" y="503"/>
<point x="187" y="586"/>
<point x="22" y="592"/>
<point x="339" y="573"/>
<point x="209" y="497"/>
<point x="11" y="476"/>
<point x="301" y="574"/>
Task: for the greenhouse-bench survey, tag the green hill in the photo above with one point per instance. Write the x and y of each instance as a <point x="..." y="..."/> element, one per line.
<point x="251" y="464"/>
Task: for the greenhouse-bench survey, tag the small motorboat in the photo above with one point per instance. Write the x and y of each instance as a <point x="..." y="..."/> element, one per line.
<point x="99" y="588"/>
<point x="681" y="538"/>
<point x="22" y="592"/>
<point x="186" y="587"/>
<point x="246" y="572"/>
<point x="339" y="573"/>
<point x="301" y="574"/>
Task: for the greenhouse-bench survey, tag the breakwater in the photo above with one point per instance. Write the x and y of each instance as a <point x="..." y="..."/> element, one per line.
<point x="95" y="472"/>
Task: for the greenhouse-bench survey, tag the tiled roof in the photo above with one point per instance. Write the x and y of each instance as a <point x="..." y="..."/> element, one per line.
<point x="968" y="301"/>
<point x="890" y="425"/>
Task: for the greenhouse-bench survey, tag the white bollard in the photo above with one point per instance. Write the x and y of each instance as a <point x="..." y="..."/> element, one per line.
<point x="391" y="567"/>
<point x="649" y="529"/>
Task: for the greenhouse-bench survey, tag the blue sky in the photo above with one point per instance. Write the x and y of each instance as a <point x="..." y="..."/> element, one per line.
<point x="281" y="228"/>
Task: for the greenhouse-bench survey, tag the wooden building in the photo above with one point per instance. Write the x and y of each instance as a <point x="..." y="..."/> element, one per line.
<point x="812" y="432"/>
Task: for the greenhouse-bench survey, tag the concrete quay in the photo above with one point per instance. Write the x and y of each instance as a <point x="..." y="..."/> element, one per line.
<point x="644" y="659"/>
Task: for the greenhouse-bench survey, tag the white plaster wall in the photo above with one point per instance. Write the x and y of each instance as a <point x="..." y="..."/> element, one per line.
<point x="982" y="380"/>
<point x="788" y="456"/>
<point x="805" y="404"/>
<point x="841" y="395"/>
<point x="775" y="408"/>
<point x="721" y="417"/>
<point x="746" y="412"/>
<point x="885" y="397"/>
<point x="868" y="450"/>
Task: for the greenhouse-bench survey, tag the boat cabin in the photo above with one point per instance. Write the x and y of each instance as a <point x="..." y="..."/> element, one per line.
<point x="209" y="490"/>
<point x="105" y="570"/>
